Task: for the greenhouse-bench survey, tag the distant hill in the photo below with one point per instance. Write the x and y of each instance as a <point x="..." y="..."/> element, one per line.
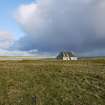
<point x="92" y="58"/>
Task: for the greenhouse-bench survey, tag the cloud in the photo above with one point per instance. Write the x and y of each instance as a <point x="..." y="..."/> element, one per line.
<point x="53" y="25"/>
<point x="6" y="40"/>
<point x="24" y="12"/>
<point x="31" y="53"/>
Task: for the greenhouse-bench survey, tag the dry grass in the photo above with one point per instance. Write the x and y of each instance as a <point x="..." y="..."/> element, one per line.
<point x="52" y="82"/>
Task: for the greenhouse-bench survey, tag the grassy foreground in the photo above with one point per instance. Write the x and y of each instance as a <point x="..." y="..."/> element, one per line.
<point x="52" y="82"/>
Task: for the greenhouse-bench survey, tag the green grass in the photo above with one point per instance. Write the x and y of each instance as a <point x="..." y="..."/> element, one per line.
<point x="52" y="82"/>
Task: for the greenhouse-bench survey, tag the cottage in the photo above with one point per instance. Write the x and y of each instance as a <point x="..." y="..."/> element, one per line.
<point x="66" y="56"/>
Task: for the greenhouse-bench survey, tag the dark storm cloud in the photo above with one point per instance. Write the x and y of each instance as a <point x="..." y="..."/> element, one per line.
<point x="53" y="25"/>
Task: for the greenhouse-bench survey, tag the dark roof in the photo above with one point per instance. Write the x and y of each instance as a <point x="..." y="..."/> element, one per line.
<point x="65" y="54"/>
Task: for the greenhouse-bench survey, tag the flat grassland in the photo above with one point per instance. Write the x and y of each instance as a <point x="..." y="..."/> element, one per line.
<point x="52" y="82"/>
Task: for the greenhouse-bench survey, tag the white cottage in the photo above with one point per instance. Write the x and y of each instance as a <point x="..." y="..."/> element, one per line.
<point x="66" y="56"/>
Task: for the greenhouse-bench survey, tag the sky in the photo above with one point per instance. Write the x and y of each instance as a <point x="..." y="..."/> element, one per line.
<point x="46" y="27"/>
<point x="7" y="20"/>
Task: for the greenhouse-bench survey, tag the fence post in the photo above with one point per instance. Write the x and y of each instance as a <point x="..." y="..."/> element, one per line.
<point x="34" y="100"/>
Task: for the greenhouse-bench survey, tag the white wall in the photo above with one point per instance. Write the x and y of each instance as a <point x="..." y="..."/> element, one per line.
<point x="74" y="58"/>
<point x="66" y="58"/>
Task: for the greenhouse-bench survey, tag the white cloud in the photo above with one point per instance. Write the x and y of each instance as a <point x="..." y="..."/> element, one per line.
<point x="25" y="11"/>
<point x="6" y="40"/>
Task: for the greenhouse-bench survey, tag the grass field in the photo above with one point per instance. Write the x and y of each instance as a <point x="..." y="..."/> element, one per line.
<point x="52" y="82"/>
